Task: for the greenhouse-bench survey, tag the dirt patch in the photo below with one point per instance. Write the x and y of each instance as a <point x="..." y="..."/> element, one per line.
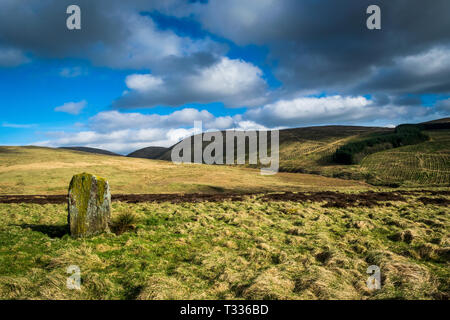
<point x="332" y="199"/>
<point x="177" y="198"/>
<point x="38" y="199"/>
<point x="130" y="198"/>
<point x="338" y="199"/>
<point x="437" y="201"/>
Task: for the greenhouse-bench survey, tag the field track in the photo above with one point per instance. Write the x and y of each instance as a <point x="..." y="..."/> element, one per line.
<point x="333" y="199"/>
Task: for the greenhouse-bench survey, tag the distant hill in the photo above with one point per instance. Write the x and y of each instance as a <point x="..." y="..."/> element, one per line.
<point x="311" y="149"/>
<point x="91" y="150"/>
<point x="443" y="120"/>
<point x="148" y="153"/>
<point x="297" y="143"/>
<point x="438" y="124"/>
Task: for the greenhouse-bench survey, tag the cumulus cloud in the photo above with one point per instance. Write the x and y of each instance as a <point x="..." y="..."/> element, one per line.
<point x="10" y="57"/>
<point x="331" y="110"/>
<point x="72" y="107"/>
<point x="234" y="82"/>
<point x="126" y="132"/>
<point x="143" y="82"/>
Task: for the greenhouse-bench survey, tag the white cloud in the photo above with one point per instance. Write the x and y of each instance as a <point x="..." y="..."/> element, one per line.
<point x="143" y="45"/>
<point x="10" y="57"/>
<point x="127" y="132"/>
<point x="115" y="120"/>
<point x="227" y="78"/>
<point x="234" y="82"/>
<point x="17" y="126"/>
<point x="72" y="107"/>
<point x="330" y="110"/>
<point x="432" y="61"/>
<point x="143" y="82"/>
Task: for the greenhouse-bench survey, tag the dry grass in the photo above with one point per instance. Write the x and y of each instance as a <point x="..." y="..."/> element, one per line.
<point x="34" y="170"/>
<point x="250" y="249"/>
<point x="124" y="222"/>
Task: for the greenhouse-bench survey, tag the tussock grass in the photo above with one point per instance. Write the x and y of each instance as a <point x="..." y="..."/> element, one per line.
<point x="124" y="222"/>
<point x="250" y="249"/>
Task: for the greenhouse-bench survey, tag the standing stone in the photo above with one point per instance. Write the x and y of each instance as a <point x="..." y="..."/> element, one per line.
<point x="89" y="205"/>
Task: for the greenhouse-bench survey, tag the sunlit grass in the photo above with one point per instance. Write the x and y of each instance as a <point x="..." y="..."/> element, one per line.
<point x="249" y="249"/>
<point x="33" y="170"/>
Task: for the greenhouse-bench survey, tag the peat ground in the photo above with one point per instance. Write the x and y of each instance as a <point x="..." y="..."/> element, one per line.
<point x="333" y="199"/>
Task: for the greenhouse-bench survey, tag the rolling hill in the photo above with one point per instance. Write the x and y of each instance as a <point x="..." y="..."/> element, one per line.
<point x="91" y="150"/>
<point x="148" y="153"/>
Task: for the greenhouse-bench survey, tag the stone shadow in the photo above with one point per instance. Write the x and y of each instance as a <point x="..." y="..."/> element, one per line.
<point x="53" y="231"/>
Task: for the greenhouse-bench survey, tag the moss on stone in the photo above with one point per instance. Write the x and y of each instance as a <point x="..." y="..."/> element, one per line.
<point x="101" y="186"/>
<point x="80" y="187"/>
<point x="89" y="205"/>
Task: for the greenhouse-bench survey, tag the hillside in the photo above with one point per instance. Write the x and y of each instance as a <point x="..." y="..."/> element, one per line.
<point x="427" y="163"/>
<point x="310" y="150"/>
<point x="37" y="170"/>
<point x="148" y="153"/>
<point x="443" y="120"/>
<point x="91" y="150"/>
<point x="299" y="142"/>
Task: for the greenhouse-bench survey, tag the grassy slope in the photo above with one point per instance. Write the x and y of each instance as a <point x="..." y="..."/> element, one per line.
<point x="427" y="163"/>
<point x="245" y="250"/>
<point x="34" y="170"/>
<point x="310" y="150"/>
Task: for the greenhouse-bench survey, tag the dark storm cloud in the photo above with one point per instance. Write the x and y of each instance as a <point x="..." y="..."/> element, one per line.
<point x="113" y="33"/>
<point x="325" y="45"/>
<point x="443" y="106"/>
<point x="39" y="27"/>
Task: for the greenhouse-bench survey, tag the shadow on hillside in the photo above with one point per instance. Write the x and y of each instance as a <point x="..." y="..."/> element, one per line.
<point x="6" y="150"/>
<point x="53" y="231"/>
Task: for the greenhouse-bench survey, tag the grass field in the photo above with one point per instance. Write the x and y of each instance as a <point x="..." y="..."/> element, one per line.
<point x="427" y="163"/>
<point x="424" y="164"/>
<point x="251" y="249"/>
<point x="34" y="170"/>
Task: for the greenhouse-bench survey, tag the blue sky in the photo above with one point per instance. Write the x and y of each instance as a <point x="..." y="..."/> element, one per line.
<point x="138" y="74"/>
